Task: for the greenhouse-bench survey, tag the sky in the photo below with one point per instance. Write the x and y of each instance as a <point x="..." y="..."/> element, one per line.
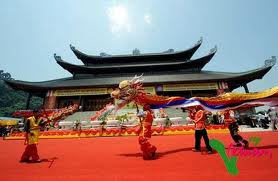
<point x="31" y="31"/>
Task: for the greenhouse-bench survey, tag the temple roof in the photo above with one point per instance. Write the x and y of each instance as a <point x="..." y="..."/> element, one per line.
<point x="234" y="80"/>
<point x="130" y="67"/>
<point x="152" y="57"/>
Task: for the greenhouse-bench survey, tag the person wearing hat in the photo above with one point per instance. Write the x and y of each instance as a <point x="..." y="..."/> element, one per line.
<point x="32" y="128"/>
<point x="147" y="148"/>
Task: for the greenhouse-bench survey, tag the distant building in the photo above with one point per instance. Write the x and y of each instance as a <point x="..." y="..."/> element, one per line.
<point x="171" y="73"/>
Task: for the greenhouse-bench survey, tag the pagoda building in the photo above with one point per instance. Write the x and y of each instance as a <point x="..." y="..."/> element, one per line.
<point x="170" y="73"/>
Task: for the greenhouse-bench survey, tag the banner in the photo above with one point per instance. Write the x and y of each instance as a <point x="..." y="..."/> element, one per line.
<point x="8" y="122"/>
<point x="187" y="87"/>
<point x="80" y="92"/>
<point x="150" y="90"/>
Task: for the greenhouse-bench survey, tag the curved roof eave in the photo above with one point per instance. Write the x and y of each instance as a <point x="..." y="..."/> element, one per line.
<point x="249" y="76"/>
<point x="196" y="63"/>
<point x="65" y="65"/>
<point x="202" y="61"/>
<point x="25" y="86"/>
<point x="85" y="58"/>
<point x="33" y="87"/>
<point x="268" y="64"/>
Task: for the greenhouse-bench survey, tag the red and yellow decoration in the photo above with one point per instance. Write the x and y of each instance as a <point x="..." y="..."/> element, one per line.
<point x="177" y="130"/>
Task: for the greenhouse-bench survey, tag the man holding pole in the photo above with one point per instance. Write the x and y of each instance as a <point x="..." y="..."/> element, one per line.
<point x="32" y="128"/>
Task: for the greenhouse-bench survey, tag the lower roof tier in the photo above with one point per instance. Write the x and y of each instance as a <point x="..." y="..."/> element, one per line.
<point x="234" y="80"/>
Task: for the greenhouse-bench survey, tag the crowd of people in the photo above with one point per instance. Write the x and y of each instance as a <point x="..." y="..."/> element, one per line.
<point x="5" y="130"/>
<point x="263" y="119"/>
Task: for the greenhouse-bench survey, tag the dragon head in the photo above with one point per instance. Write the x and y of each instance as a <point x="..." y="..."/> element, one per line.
<point x="128" y="90"/>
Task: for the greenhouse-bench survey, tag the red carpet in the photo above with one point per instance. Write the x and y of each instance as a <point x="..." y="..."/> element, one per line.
<point x="119" y="158"/>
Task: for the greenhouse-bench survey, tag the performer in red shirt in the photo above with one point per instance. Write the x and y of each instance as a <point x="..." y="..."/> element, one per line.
<point x="231" y="122"/>
<point x="145" y="134"/>
<point x="200" y="130"/>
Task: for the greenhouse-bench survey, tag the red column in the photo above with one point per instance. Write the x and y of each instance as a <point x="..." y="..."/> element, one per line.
<point x="50" y="100"/>
<point x="222" y="88"/>
<point x="220" y="91"/>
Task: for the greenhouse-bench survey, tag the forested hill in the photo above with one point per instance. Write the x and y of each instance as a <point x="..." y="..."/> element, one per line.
<point x="11" y="100"/>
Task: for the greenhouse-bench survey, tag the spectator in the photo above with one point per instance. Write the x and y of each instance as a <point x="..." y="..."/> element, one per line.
<point x="273" y="115"/>
<point x="262" y="120"/>
<point x="215" y="119"/>
<point x="1" y="131"/>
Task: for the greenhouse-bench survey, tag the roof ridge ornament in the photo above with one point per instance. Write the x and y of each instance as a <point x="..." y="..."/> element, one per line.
<point x="72" y="47"/>
<point x="213" y="50"/>
<point x="199" y="41"/>
<point x="170" y="50"/>
<point x="57" y="58"/>
<point x="270" y="62"/>
<point x="136" y="51"/>
<point x="103" y="54"/>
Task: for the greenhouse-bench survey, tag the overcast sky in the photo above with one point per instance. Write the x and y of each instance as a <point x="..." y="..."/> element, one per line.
<point x="31" y="31"/>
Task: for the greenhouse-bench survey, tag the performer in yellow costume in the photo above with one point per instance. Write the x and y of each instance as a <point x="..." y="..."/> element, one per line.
<point x="32" y="128"/>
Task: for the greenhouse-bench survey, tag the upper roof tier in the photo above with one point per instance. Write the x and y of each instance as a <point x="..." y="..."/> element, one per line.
<point x="122" y="59"/>
<point x="129" y="67"/>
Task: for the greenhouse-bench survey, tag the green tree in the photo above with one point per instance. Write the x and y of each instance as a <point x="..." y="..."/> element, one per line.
<point x="11" y="100"/>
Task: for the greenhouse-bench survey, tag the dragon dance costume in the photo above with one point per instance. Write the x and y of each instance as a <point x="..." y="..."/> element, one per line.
<point x="133" y="91"/>
<point x="146" y="133"/>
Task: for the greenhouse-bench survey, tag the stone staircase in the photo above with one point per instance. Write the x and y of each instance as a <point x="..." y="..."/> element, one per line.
<point x="85" y="116"/>
<point x="81" y="116"/>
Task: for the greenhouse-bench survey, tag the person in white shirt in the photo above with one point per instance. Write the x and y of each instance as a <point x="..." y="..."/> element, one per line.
<point x="262" y="119"/>
<point x="273" y="115"/>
